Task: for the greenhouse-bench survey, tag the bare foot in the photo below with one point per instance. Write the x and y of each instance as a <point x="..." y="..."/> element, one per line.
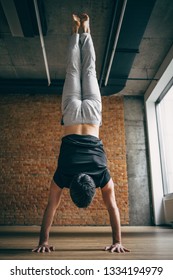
<point x="76" y="23"/>
<point x="85" y="23"/>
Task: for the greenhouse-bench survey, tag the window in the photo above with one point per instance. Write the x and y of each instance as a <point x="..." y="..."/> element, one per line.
<point x="159" y="116"/>
<point x="164" y="110"/>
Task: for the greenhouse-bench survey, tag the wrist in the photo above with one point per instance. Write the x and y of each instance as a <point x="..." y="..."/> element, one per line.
<point x="44" y="237"/>
<point x="43" y="242"/>
<point x="116" y="237"/>
<point x="116" y="241"/>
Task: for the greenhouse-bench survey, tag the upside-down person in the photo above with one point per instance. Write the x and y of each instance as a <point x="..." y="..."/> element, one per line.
<point x="82" y="164"/>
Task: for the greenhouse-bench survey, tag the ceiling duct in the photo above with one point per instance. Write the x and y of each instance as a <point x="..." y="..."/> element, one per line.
<point x="123" y="46"/>
<point x="21" y="17"/>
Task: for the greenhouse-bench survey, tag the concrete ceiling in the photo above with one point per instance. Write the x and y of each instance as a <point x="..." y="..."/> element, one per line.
<point x="21" y="58"/>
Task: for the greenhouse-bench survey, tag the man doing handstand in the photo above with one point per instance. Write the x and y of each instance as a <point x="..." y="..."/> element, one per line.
<point x="82" y="164"/>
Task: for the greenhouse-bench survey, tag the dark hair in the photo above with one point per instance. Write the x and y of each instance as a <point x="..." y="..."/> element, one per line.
<point x="82" y="190"/>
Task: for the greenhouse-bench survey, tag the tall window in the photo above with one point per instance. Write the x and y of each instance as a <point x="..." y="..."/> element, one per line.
<point x="164" y="110"/>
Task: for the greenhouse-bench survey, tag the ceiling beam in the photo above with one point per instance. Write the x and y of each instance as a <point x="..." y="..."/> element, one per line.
<point x="12" y="17"/>
<point x="21" y="17"/>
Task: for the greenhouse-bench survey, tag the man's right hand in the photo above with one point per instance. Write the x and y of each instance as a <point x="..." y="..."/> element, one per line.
<point x="43" y="249"/>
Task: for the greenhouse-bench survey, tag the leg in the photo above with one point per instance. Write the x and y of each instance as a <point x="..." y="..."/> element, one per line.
<point x="90" y="87"/>
<point x="72" y="85"/>
<point x="53" y="203"/>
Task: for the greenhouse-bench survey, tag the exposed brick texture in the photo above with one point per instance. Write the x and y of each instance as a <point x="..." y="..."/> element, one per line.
<point x="30" y="137"/>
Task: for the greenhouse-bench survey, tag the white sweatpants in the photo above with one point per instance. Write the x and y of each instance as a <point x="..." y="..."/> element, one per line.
<point x="81" y="98"/>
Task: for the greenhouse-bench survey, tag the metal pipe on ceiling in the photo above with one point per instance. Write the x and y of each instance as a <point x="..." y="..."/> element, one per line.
<point x="108" y="44"/>
<point x="115" y="41"/>
<point x="42" y="41"/>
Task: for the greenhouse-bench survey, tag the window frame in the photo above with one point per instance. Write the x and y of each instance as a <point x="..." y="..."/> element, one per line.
<point x="161" y="137"/>
<point x="152" y="96"/>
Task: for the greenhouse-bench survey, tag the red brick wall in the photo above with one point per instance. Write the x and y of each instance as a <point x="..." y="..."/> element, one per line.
<point x="30" y="136"/>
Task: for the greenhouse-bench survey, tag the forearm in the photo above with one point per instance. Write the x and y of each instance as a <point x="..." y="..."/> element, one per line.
<point x="46" y="225"/>
<point x="115" y="224"/>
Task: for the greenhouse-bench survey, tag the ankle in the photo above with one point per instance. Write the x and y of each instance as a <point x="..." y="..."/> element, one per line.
<point x="75" y="30"/>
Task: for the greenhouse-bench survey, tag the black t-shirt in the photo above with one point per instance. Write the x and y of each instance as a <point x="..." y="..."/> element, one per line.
<point x="81" y="154"/>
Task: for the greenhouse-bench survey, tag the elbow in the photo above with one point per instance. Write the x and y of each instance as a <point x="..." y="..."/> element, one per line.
<point x="112" y="208"/>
